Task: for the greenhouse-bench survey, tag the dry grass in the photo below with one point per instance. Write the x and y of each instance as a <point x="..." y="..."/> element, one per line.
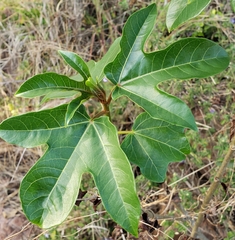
<point x="30" y="35"/>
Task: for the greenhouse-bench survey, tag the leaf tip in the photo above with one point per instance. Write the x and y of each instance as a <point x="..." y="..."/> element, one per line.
<point x="194" y="126"/>
<point x="60" y="52"/>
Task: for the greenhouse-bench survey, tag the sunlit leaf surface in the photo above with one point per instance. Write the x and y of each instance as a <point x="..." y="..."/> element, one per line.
<point x="180" y="11"/>
<point x="137" y="73"/>
<point x="49" y="190"/>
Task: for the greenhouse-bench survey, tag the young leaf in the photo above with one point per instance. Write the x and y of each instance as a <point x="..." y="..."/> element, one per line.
<point x="45" y="83"/>
<point x="97" y="70"/>
<point x="76" y="63"/>
<point x="78" y="77"/>
<point x="137" y="74"/>
<point x="49" y="190"/>
<point x="153" y="145"/>
<point x="74" y="105"/>
<point x="180" y="11"/>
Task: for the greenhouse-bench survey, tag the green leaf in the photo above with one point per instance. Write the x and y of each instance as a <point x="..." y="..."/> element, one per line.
<point x="78" y="77"/>
<point x="74" y="105"/>
<point x="43" y="84"/>
<point x="158" y="104"/>
<point x="233" y="5"/>
<point x="59" y="94"/>
<point x="97" y="70"/>
<point x="153" y="145"/>
<point x="76" y="63"/>
<point x="180" y="11"/>
<point x="49" y="190"/>
<point x="137" y="74"/>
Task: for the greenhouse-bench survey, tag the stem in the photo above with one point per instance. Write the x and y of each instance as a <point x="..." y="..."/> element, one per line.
<point x="110" y="95"/>
<point x="125" y="132"/>
<point x="99" y="114"/>
<point x="106" y="110"/>
<point x="213" y="187"/>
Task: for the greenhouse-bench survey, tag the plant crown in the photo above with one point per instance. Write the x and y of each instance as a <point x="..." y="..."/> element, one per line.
<point x="78" y="143"/>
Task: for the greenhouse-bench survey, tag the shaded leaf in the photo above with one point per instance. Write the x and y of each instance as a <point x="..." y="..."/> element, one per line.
<point x="49" y="190"/>
<point x="137" y="74"/>
<point x="74" y="105"/>
<point x="153" y="144"/>
<point x="76" y="63"/>
<point x="46" y="83"/>
<point x="180" y="11"/>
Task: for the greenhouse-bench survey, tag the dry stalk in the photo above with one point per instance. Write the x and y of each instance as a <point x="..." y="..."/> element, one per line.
<point x="213" y="187"/>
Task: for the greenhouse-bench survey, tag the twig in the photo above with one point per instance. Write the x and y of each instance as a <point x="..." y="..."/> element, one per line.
<point x="181" y="179"/>
<point x="22" y="230"/>
<point x="213" y="187"/>
<point x="21" y="158"/>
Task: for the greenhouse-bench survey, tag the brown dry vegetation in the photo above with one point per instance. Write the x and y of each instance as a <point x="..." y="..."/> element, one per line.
<point x="31" y="32"/>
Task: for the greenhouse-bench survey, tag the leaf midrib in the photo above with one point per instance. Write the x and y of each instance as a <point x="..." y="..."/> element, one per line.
<point x="155" y="140"/>
<point x="133" y="93"/>
<point x="162" y="69"/>
<point x="68" y="162"/>
<point x="120" y="195"/>
<point x="48" y="129"/>
<point x="148" y="157"/>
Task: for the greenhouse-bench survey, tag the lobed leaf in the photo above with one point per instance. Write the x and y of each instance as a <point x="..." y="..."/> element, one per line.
<point x="136" y="74"/>
<point x="153" y="144"/>
<point x="49" y="190"/>
<point x="180" y="11"/>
